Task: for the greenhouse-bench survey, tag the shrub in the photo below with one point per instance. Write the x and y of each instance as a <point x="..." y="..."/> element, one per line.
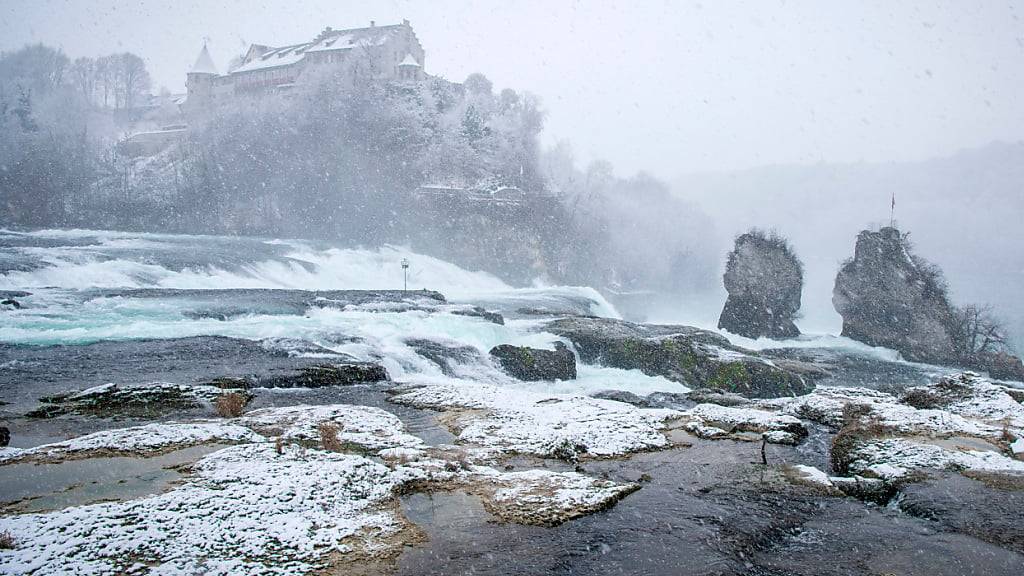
<point x="329" y="436"/>
<point x="230" y="405"/>
<point x="7" y="541"/>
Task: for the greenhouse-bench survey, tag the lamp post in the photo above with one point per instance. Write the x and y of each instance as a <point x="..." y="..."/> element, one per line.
<point x="405" y="274"/>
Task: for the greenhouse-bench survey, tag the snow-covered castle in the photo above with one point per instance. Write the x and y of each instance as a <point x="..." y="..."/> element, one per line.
<point x="391" y="52"/>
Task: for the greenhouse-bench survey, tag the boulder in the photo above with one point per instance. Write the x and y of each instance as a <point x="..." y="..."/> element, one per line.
<point x="764" y="279"/>
<point x="697" y="358"/>
<point x="9" y="299"/>
<point x="889" y="297"/>
<point x="532" y="364"/>
<point x="480" y="312"/>
<point x="320" y="375"/>
<point x="624" y="397"/>
<point x="1003" y="366"/>
<point x="446" y="355"/>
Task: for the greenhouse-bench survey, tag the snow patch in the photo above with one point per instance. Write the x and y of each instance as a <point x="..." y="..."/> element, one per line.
<point x="138" y="440"/>
<point x="247" y="510"/>
<point x="894" y="458"/>
<point x="713" y="421"/>
<point x="516" y="421"/>
<point x="365" y="426"/>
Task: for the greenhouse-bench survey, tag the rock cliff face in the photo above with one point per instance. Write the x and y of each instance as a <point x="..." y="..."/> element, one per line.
<point x="764" y="280"/>
<point x="889" y="297"/>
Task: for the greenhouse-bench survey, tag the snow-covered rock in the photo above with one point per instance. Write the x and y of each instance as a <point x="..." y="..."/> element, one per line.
<point x="365" y="426"/>
<point x="546" y="498"/>
<point x="246" y="510"/>
<point x="109" y="399"/>
<point x="825" y="404"/>
<point x="810" y="476"/>
<point x="515" y="421"/>
<point x="138" y="440"/>
<point x="970" y="396"/>
<point x="285" y="508"/>
<point x="893" y="459"/>
<point x="714" y="421"/>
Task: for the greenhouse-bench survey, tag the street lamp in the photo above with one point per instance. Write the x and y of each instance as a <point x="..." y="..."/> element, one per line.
<point x="405" y="274"/>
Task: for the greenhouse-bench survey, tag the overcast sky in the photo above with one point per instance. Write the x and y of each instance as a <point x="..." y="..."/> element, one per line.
<point x="667" y="87"/>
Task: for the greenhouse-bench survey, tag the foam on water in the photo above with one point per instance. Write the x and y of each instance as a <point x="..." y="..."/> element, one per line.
<point x="592" y="379"/>
<point x="831" y="341"/>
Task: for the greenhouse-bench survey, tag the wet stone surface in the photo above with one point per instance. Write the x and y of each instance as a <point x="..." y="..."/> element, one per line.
<point x="988" y="509"/>
<point x="34" y="487"/>
<point x="31" y="372"/>
<point x="704" y="510"/>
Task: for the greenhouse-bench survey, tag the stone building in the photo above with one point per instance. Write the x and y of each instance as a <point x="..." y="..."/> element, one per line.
<point x="389" y="52"/>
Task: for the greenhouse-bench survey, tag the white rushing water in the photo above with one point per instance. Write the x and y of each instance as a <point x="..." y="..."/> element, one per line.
<point x="63" y="269"/>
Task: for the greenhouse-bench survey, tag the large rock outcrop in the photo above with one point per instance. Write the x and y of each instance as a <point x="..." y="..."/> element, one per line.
<point x="889" y="297"/>
<point x="697" y="358"/>
<point x="764" y="279"/>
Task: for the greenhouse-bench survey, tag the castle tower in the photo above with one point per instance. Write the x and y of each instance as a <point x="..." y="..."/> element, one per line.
<point x="199" y="80"/>
<point x="410" y="69"/>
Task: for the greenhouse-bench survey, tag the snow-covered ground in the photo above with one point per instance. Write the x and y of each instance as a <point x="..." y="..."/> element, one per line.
<point x="277" y="503"/>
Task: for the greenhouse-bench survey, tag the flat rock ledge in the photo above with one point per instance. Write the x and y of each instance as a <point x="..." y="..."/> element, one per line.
<point x="962" y="423"/>
<point x="305" y="489"/>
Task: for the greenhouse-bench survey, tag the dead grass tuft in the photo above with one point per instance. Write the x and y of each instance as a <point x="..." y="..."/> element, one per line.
<point x="858" y="426"/>
<point x="456" y="459"/>
<point x="1002" y="481"/>
<point x="230" y="405"/>
<point x="329" y="437"/>
<point x="1006" y="435"/>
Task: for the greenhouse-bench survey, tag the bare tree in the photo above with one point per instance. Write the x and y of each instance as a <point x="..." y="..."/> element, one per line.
<point x="977" y="332"/>
<point x="133" y="77"/>
<point x="83" y="78"/>
<point x="36" y="70"/>
<point x="105" y="77"/>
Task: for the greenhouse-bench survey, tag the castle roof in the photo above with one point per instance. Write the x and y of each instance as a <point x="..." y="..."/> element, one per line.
<point x="327" y="41"/>
<point x="204" y="64"/>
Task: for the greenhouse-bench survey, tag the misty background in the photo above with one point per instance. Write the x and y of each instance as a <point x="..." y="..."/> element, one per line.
<point x="683" y="124"/>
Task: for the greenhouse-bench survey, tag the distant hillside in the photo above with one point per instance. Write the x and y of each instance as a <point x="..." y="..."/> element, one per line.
<point x="964" y="212"/>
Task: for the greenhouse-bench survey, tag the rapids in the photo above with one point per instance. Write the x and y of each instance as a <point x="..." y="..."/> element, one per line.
<point x="90" y="286"/>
